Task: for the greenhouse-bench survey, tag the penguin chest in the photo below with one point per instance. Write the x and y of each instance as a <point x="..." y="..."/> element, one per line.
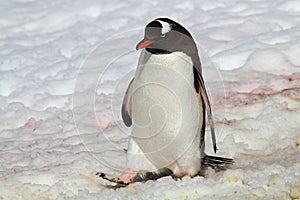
<point x="165" y="109"/>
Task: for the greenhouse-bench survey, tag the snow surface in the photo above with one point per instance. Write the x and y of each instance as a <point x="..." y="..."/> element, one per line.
<point x="65" y="65"/>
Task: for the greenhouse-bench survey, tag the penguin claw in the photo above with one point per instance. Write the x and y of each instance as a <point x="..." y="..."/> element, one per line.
<point x="120" y="181"/>
<point x="114" y="182"/>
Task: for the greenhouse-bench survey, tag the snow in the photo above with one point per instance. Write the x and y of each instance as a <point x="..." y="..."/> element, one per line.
<point x="64" y="67"/>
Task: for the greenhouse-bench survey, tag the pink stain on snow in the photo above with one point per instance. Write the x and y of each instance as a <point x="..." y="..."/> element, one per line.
<point x="30" y="125"/>
<point x="281" y="85"/>
<point x="105" y="122"/>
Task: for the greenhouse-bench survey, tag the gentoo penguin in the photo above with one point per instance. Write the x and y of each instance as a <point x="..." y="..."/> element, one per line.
<point x="166" y="104"/>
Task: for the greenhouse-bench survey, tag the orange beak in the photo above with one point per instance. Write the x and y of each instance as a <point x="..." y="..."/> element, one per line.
<point x="143" y="44"/>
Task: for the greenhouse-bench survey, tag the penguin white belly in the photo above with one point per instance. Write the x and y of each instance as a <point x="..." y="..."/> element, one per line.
<point x="167" y="117"/>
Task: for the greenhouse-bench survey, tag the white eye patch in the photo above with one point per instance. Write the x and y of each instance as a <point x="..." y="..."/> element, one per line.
<point x="166" y="27"/>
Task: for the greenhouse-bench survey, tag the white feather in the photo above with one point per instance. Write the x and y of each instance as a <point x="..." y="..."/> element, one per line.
<point x="166" y="116"/>
<point x="166" y="27"/>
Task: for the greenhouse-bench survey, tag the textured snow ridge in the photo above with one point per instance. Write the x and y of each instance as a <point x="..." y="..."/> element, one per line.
<point x="64" y="67"/>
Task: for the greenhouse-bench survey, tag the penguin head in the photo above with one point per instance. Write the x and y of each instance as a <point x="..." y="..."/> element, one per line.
<point x="164" y="35"/>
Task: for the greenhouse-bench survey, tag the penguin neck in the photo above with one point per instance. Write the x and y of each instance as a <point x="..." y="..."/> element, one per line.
<point x="157" y="51"/>
<point x="197" y="71"/>
<point x="160" y="65"/>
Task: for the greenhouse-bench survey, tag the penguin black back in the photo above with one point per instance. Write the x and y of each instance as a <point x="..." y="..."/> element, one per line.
<point x="165" y="36"/>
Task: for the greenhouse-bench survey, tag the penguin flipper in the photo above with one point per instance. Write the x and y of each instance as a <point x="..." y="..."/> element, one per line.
<point x="126" y="105"/>
<point x="210" y="117"/>
<point x="202" y="91"/>
<point x="204" y="95"/>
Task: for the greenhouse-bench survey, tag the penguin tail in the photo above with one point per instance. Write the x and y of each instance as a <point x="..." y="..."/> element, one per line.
<point x="217" y="163"/>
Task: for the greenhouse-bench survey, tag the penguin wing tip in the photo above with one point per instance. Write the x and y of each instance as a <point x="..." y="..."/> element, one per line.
<point x="126" y="106"/>
<point x="215" y="148"/>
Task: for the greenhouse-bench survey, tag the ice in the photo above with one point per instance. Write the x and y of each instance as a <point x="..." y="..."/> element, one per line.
<point x="9" y="82"/>
<point x="64" y="68"/>
<point x="270" y="60"/>
<point x="290" y="6"/>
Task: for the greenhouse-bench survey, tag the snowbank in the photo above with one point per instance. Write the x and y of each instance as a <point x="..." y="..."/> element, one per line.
<point x="64" y="68"/>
